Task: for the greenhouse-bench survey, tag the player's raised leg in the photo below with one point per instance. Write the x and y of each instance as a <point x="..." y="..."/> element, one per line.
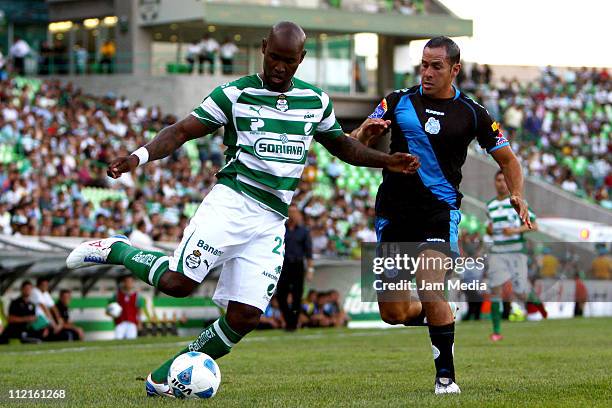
<point x="151" y="267"/>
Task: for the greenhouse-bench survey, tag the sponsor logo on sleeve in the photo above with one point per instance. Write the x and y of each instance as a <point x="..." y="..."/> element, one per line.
<point x="500" y="139"/>
<point x="380" y="110"/>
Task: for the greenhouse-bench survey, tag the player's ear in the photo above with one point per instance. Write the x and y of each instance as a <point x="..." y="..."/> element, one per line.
<point x="303" y="55"/>
<point x="455" y="69"/>
<point x="264" y="44"/>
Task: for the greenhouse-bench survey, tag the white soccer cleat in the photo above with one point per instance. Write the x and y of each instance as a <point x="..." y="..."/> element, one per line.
<point x="93" y="252"/>
<point x="446" y="386"/>
<point x="157" y="390"/>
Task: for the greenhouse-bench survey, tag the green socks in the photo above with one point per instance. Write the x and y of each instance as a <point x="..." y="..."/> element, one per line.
<point x="148" y="266"/>
<point x="216" y="340"/>
<point x="496" y="314"/>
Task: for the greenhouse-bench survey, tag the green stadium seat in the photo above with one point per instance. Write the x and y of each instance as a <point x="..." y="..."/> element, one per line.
<point x="190" y="209"/>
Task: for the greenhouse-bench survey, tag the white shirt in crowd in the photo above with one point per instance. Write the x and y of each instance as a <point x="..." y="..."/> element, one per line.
<point x="210" y="45"/>
<point x="5" y="223"/>
<point x="193" y="49"/>
<point x="569" y="185"/>
<point x="228" y="50"/>
<point x="10" y="114"/>
<point x="38" y="297"/>
<point x="367" y="235"/>
<point x="20" y="49"/>
<point x="140" y="239"/>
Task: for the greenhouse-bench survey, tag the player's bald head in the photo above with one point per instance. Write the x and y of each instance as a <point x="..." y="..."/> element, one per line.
<point x="283" y="51"/>
<point x="290" y="34"/>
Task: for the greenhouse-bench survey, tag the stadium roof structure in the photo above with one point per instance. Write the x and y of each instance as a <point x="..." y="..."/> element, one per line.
<point x="245" y="17"/>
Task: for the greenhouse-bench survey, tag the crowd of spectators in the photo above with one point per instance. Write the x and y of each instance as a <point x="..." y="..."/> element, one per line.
<point x="319" y="309"/>
<point x="34" y="316"/>
<point x="61" y="140"/>
<point x="208" y="50"/>
<point x="560" y="125"/>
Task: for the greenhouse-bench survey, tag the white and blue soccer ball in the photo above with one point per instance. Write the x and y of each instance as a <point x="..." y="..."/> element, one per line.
<point x="114" y="310"/>
<point x="194" y="375"/>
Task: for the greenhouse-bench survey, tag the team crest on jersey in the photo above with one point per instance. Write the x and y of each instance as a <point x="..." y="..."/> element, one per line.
<point x="432" y="126"/>
<point x="193" y="260"/>
<point x="380" y="110"/>
<point x="282" y="104"/>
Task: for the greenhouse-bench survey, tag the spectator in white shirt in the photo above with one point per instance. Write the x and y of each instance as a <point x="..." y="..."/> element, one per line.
<point x="569" y="184"/>
<point x="227" y="52"/>
<point x="19" y="50"/>
<point x="140" y="237"/>
<point x="3" y="75"/>
<point x="5" y="220"/>
<point x="45" y="305"/>
<point x="193" y="54"/>
<point x="208" y="52"/>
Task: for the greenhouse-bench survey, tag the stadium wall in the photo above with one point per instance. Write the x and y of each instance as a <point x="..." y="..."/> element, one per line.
<point x="179" y="94"/>
<point x="343" y="275"/>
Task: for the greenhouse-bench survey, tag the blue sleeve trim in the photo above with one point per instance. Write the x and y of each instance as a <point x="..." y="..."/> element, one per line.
<point x="498" y="147"/>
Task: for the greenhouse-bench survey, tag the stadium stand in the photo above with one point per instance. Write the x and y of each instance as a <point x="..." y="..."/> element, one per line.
<point x="560" y="126"/>
<point x="55" y="141"/>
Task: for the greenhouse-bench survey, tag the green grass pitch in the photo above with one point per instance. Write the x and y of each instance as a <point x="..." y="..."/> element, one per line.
<point x="550" y="363"/>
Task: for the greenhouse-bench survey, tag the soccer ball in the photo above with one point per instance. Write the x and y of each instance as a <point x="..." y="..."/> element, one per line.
<point x="114" y="309"/>
<point x="194" y="375"/>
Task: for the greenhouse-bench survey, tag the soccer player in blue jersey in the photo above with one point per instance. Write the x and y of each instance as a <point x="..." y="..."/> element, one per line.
<point x="436" y="122"/>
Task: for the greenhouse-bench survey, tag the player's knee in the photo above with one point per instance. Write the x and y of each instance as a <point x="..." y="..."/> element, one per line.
<point x="176" y="284"/>
<point x="393" y="316"/>
<point x="242" y="318"/>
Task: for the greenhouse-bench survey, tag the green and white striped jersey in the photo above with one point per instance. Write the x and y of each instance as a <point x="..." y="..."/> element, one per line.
<point x="502" y="215"/>
<point x="267" y="135"/>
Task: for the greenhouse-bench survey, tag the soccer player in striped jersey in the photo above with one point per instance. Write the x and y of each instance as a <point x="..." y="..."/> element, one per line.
<point x="270" y="120"/>
<point x="508" y="259"/>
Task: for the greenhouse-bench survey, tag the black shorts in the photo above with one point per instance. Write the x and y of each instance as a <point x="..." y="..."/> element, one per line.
<point x="438" y="230"/>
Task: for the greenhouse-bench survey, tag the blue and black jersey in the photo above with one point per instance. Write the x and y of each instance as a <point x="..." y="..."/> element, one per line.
<point x="438" y="131"/>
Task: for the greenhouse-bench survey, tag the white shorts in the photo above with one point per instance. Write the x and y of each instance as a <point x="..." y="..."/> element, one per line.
<point x="126" y="330"/>
<point x="243" y="236"/>
<point x="509" y="267"/>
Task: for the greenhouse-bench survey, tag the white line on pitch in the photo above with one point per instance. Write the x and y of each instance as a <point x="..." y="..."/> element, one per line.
<point x="313" y="336"/>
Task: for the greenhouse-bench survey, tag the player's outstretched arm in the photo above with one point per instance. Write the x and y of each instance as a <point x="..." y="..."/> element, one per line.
<point x="167" y="141"/>
<point x="354" y="152"/>
<point x="371" y="130"/>
<point x="510" y="166"/>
